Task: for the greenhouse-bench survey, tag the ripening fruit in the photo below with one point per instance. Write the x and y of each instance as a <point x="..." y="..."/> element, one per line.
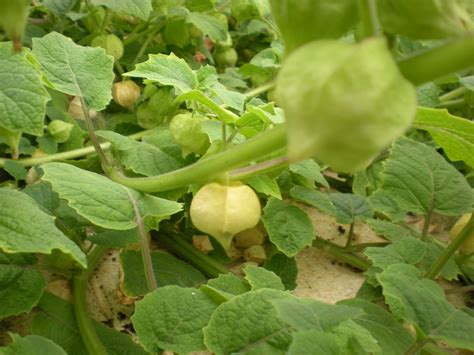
<point x="75" y="109"/>
<point x="125" y="93"/>
<point x="111" y="43"/>
<point x="225" y="56"/>
<point x="344" y="103"/>
<point x="468" y="246"/>
<point x="223" y="211"/>
<point x="427" y="19"/>
<point x="303" y="21"/>
<point x="60" y="130"/>
<point x="185" y="129"/>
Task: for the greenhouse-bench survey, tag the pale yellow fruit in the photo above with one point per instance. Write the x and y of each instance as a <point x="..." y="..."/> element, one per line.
<point x="468" y="246"/>
<point x="223" y="211"/>
<point x="125" y="93"/>
<point x="75" y="109"/>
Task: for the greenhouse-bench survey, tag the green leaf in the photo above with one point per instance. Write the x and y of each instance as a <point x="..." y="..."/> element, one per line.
<point x="284" y="267"/>
<point x="15" y="169"/>
<point x="56" y="321"/>
<point x="102" y="201"/>
<point x="316" y="342"/>
<point x="288" y="227"/>
<point x="454" y="134"/>
<point x="59" y="7"/>
<point x="382" y="201"/>
<point x="307" y="314"/>
<point x="209" y="25"/>
<point x="140" y="157"/>
<point x="313" y="198"/>
<point x="30" y="230"/>
<point x="229" y="283"/>
<point x="350" y="208"/>
<point x="450" y="270"/>
<point x="22" y="95"/>
<point x="172" y="318"/>
<point x="21" y="286"/>
<point x="392" y="231"/>
<point x="408" y="250"/>
<point x="259" y="277"/>
<point x="310" y="170"/>
<point x="167" y="70"/>
<point x="428" y="95"/>
<point x="358" y="339"/>
<point x="75" y="70"/>
<point x="265" y="185"/>
<point x="168" y="270"/>
<point x="421" y="302"/>
<point x="422" y="181"/>
<point x="138" y="8"/>
<point x="31" y="344"/>
<point x="391" y="336"/>
<point x="248" y="324"/>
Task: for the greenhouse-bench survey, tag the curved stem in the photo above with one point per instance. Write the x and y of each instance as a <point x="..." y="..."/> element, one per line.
<point x="209" y="168"/>
<point x="84" y="322"/>
<point x="439" y="263"/>
<point x="437" y="62"/>
<point x="71" y="154"/>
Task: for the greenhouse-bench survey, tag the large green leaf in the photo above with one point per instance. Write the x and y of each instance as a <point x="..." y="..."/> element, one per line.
<point x="209" y="25"/>
<point x="391" y="336"/>
<point x="454" y="134"/>
<point x="75" y="70"/>
<point x="316" y="342"/>
<point x="168" y="270"/>
<point x="248" y="324"/>
<point x="141" y="157"/>
<point x="172" y="318"/>
<point x="350" y="207"/>
<point x="259" y="277"/>
<point x="288" y="227"/>
<point x="22" y="95"/>
<point x="422" y="181"/>
<point x="167" y="70"/>
<point x="421" y="302"/>
<point x="30" y="230"/>
<point x="138" y="8"/>
<point x="102" y="201"/>
<point x="56" y="321"/>
<point x="31" y="344"/>
<point x="21" y="285"/>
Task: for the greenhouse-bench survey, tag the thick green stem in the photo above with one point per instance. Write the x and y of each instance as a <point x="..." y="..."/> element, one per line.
<point x="437" y="62"/>
<point x="453" y="94"/>
<point x="175" y="244"/>
<point x="84" y="322"/>
<point x="341" y="254"/>
<point x="209" y="168"/>
<point x="368" y="18"/>
<point x="71" y="154"/>
<point x="426" y="225"/>
<point x="439" y="263"/>
<point x="350" y="236"/>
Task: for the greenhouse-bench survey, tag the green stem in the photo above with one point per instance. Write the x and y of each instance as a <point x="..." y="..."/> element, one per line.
<point x="452" y="104"/>
<point x="84" y="322"/>
<point x="134" y="36"/>
<point x="144" y="246"/>
<point x="175" y="244"/>
<point x="341" y="254"/>
<point x="368" y="17"/>
<point x="437" y="62"/>
<point x="196" y="95"/>
<point x="249" y="171"/>
<point x="350" y="235"/>
<point x="260" y="89"/>
<point x="119" y="68"/>
<point x="426" y="225"/>
<point x="95" y="141"/>
<point x="71" y="154"/>
<point x="417" y="346"/>
<point x="209" y="168"/>
<point x="104" y="22"/>
<point x="145" y="45"/>
<point x="439" y="263"/>
<point x="362" y="246"/>
<point x="453" y="94"/>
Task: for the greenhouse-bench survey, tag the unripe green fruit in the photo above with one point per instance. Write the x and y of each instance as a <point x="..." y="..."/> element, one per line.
<point x="154" y="112"/>
<point x="94" y="19"/>
<point x="60" y="130"/>
<point x="111" y="43"/>
<point x="243" y="10"/>
<point x="225" y="56"/>
<point x="186" y="131"/>
<point x="223" y="211"/>
<point x="125" y="93"/>
<point x="149" y="91"/>
<point x="13" y="16"/>
<point x="176" y="32"/>
<point x="338" y="108"/>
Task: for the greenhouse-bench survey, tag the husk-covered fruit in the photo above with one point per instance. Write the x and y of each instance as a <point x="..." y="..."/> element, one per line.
<point x="111" y="43"/>
<point x="187" y="132"/>
<point x="60" y="130"/>
<point x="125" y="93"/>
